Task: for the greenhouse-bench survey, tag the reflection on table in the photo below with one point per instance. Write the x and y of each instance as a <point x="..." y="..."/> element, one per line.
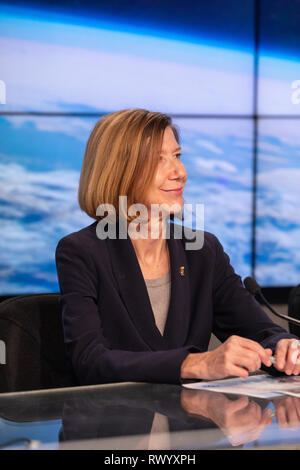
<point x="148" y="416"/>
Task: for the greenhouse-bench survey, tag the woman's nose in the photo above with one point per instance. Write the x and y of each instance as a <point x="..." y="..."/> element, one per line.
<point x="178" y="170"/>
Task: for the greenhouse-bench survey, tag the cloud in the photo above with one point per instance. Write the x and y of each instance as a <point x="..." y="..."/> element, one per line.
<point x="208" y="145"/>
<point x="266" y="275"/>
<point x="214" y="165"/>
<point x="275" y="85"/>
<point x="268" y="147"/>
<point x="271" y="158"/>
<point x="40" y="76"/>
<point x="80" y="127"/>
<point x="280" y="179"/>
<point x="38" y="209"/>
<point x="212" y="129"/>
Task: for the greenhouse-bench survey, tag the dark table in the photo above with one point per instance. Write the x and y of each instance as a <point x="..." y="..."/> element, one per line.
<point x="146" y="416"/>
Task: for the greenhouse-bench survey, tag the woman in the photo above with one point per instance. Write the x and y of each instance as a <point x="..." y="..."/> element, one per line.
<point x="143" y="309"/>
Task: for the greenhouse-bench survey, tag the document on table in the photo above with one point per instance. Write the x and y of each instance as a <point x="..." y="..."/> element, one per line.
<point x="260" y="386"/>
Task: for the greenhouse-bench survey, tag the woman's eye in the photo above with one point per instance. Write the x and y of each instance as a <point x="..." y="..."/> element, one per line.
<point x="176" y="155"/>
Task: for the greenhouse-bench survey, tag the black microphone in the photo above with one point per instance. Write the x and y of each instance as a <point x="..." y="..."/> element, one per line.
<point x="254" y="288"/>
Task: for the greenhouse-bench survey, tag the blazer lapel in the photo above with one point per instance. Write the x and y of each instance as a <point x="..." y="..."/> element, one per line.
<point x="178" y="320"/>
<point x="134" y="293"/>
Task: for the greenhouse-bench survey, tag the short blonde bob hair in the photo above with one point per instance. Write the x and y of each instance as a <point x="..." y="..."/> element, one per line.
<point x="120" y="158"/>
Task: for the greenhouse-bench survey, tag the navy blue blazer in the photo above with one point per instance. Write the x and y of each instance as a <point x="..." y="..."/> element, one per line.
<point x="109" y="328"/>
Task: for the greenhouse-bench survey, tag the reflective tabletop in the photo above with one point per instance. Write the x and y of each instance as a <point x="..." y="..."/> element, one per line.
<point x="146" y="416"/>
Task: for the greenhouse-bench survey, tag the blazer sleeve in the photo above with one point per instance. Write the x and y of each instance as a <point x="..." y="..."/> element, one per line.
<point x="236" y="311"/>
<point x="92" y="359"/>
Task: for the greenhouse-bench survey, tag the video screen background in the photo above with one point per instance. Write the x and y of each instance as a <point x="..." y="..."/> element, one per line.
<point x="66" y="65"/>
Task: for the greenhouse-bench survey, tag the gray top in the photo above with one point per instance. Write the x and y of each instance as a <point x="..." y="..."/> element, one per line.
<point x="159" y="291"/>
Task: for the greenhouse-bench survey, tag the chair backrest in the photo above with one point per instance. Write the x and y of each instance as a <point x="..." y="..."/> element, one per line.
<point x="294" y="309"/>
<point x="33" y="352"/>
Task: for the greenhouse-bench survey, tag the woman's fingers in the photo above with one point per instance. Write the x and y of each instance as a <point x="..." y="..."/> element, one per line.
<point x="264" y="354"/>
<point x="287" y="356"/>
<point x="248" y="360"/>
<point x="247" y="353"/>
<point x="293" y="358"/>
<point x="238" y="356"/>
<point x="245" y="343"/>
<point x="280" y="354"/>
<point x="237" y="371"/>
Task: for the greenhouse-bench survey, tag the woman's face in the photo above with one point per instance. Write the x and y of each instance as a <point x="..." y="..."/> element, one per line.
<point x="170" y="177"/>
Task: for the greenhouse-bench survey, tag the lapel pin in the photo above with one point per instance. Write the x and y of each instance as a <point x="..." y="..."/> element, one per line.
<point x="181" y="270"/>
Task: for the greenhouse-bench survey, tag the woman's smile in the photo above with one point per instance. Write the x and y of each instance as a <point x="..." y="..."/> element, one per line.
<point x="175" y="191"/>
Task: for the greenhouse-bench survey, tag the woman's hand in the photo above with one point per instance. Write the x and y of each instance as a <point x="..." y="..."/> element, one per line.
<point x="242" y="419"/>
<point x="287" y="355"/>
<point x="237" y="356"/>
<point x="287" y="412"/>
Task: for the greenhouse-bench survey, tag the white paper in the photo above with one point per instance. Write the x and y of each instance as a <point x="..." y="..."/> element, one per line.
<point x="260" y="386"/>
<point x="292" y="392"/>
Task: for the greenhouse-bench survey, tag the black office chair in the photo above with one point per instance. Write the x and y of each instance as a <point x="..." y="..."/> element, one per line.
<point x="31" y="335"/>
<point x="294" y="309"/>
